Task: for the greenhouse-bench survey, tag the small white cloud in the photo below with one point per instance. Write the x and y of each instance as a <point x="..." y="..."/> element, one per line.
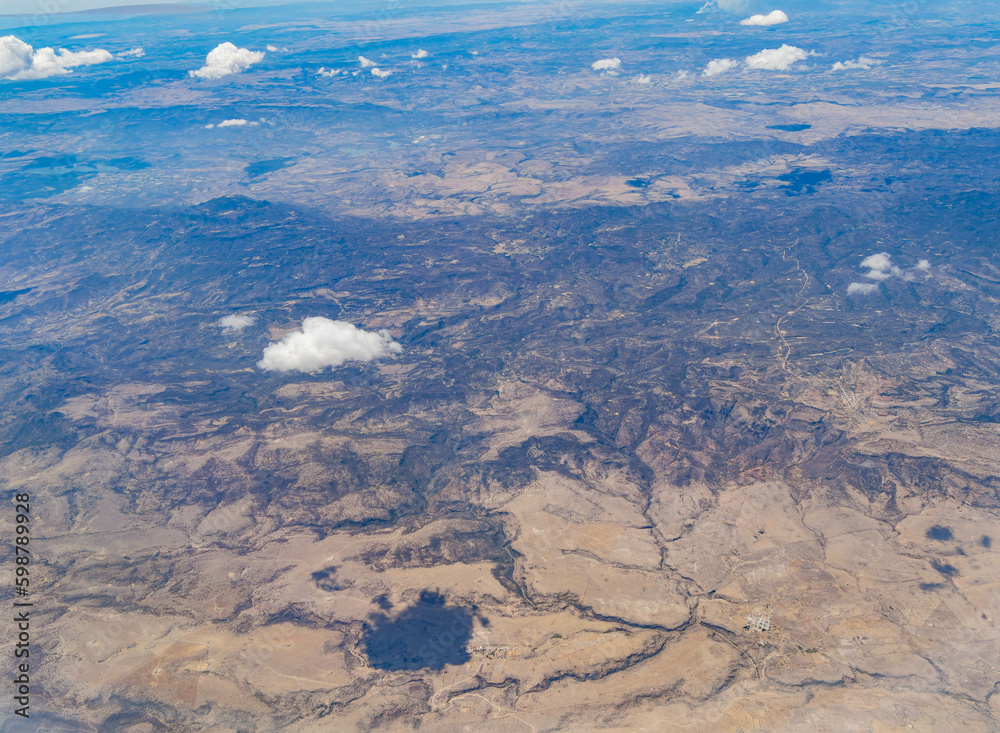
<point x="132" y="53"/>
<point x="323" y="71"/>
<point x="881" y="262"/>
<point x="607" y="65"/>
<point x="880" y="267"/>
<point x="419" y="54"/>
<point x="322" y="343"/>
<point x="234" y="123"/>
<point x="643" y="79"/>
<point x="776" y="59"/>
<point x="18" y="60"/>
<point x="719" y="66"/>
<point x="226" y="59"/>
<point x="861" y="289"/>
<point x="48" y="62"/>
<point x="272" y="49"/>
<point x="365" y="63"/>
<point x="236" y="324"/>
<point x="862" y="62"/>
<point x="773" y="18"/>
<point x="682" y="75"/>
<point x="380" y="73"/>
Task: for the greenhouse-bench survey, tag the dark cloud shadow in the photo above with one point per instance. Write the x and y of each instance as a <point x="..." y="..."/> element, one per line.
<point x="427" y="635"/>
<point x="939" y="533"/>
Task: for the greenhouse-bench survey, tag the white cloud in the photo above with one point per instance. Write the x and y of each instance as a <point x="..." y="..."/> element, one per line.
<point x="419" y="54"/>
<point x="365" y="63"/>
<point x="18" y="60"/>
<point x="236" y="324"/>
<point x="272" y="49"/>
<point x="643" y="79"/>
<point x="322" y="343"/>
<point x="862" y="62"/>
<point x="880" y="267"/>
<point x="607" y="65"/>
<point x="226" y="59"/>
<point x="861" y="289"/>
<point x="132" y="53"/>
<point x="881" y="262"/>
<point x="719" y="66"/>
<point x="773" y="18"/>
<point x="233" y="123"/>
<point x="682" y="75"/>
<point x="323" y="71"/>
<point x="380" y="73"/>
<point x="776" y="59"/>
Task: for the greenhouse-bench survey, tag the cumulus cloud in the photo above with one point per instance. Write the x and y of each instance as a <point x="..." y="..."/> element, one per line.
<point x="236" y="324"/>
<point x="325" y="72"/>
<point x="776" y="59"/>
<point x="132" y="53"/>
<point x="380" y="73"/>
<point x="607" y="65"/>
<point x="880" y="267"/>
<point x="880" y="262"/>
<point x="419" y="54"/>
<point x="643" y="79"/>
<point x="18" y="60"/>
<point x="719" y="66"/>
<point x="861" y="289"/>
<point x="322" y="343"/>
<point x="862" y="62"/>
<point x="773" y="18"/>
<point x="271" y="48"/>
<point x="232" y="123"/>
<point x="365" y="63"/>
<point x="226" y="59"/>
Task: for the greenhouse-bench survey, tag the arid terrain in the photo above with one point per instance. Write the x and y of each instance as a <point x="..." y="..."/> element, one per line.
<point x="634" y="479"/>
